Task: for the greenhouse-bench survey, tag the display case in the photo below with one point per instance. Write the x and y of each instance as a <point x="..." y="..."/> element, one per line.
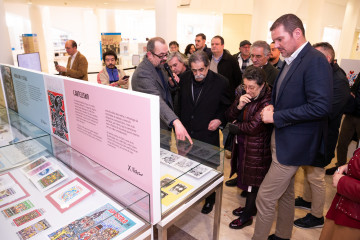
<point x="189" y="173"/>
<point x="62" y="194"/>
<point x="20" y="141"/>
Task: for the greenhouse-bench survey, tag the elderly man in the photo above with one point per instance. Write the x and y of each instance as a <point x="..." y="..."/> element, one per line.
<point x="177" y="63"/>
<point x="223" y="63"/>
<point x="260" y="53"/>
<point x="149" y="77"/>
<point x="200" y="45"/>
<point x="204" y="99"/>
<point x="243" y="56"/>
<point x="275" y="57"/>
<point x="77" y="65"/>
<point x="110" y="74"/>
<point x="300" y="104"/>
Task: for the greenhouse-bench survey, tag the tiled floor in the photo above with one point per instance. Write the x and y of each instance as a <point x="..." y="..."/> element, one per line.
<point x="199" y="225"/>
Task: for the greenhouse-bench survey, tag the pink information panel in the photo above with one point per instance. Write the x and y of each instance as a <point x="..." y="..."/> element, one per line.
<point x="113" y="127"/>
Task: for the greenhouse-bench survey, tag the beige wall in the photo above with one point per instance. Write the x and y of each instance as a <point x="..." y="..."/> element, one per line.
<point x="236" y="27"/>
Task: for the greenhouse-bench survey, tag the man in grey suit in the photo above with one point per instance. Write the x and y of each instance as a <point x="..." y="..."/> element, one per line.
<point x="150" y="77"/>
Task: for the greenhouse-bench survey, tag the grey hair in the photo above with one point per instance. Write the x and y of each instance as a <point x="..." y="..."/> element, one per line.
<point x="178" y="56"/>
<point x="263" y="45"/>
<point x="199" y="56"/>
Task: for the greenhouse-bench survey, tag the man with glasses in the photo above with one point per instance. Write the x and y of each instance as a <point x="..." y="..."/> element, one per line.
<point x="150" y="77"/>
<point x="204" y="98"/>
<point x="260" y="53"/>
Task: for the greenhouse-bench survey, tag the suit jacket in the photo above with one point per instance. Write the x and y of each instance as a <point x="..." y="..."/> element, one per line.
<point x="229" y="68"/>
<point x="271" y="73"/>
<point x="341" y="93"/>
<point x="79" y="68"/>
<point x="146" y="79"/>
<point x="211" y="104"/>
<point x="301" y="108"/>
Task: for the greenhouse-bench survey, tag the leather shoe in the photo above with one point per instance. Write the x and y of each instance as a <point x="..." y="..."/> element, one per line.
<point x="231" y="182"/>
<point x="274" y="237"/>
<point x="207" y="208"/>
<point x="238" y="211"/>
<point x="238" y="223"/>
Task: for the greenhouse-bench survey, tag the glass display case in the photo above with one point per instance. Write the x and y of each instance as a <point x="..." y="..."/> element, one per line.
<point x="59" y="193"/>
<point x="186" y="169"/>
<point x="20" y="141"/>
<point x="189" y="173"/>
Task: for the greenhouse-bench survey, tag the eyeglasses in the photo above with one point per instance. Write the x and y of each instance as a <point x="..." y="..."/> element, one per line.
<point x="162" y="56"/>
<point x="244" y="87"/>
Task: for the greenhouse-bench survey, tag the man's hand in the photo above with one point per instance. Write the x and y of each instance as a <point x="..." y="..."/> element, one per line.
<point x="267" y="114"/>
<point x="214" y="124"/>
<point x="244" y="99"/>
<point x="177" y="79"/>
<point x="180" y="131"/>
<point x="61" y="68"/>
<point x="123" y="80"/>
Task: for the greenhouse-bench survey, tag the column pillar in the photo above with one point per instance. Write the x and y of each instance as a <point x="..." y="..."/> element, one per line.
<point x="348" y="28"/>
<point x="314" y="30"/>
<point x="36" y="20"/>
<point x="166" y="19"/>
<point x="110" y="21"/>
<point x="5" y="46"/>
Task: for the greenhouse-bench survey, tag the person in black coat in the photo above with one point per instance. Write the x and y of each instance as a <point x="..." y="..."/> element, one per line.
<point x="204" y="98"/>
<point x="225" y="64"/>
<point x="314" y="181"/>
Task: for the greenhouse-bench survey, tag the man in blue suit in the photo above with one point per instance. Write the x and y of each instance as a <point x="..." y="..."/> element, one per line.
<point x="301" y="102"/>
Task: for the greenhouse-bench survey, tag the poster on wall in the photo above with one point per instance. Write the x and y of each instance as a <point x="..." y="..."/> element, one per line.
<point x="351" y="68"/>
<point x="31" y="97"/>
<point x="56" y="105"/>
<point x="111" y="41"/>
<point x="30" y="43"/>
<point x="8" y="85"/>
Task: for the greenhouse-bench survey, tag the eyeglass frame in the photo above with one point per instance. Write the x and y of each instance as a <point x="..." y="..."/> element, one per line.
<point x="159" y="55"/>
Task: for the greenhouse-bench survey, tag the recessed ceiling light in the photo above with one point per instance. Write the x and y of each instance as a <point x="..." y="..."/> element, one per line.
<point x="106" y="3"/>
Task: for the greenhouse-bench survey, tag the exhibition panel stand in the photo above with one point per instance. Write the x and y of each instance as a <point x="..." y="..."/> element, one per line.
<point x="189" y="173"/>
<point x="44" y="197"/>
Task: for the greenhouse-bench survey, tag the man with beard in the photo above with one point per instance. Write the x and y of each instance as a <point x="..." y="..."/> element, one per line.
<point x="150" y="77"/>
<point x="204" y="98"/>
<point x="275" y="57"/>
<point x="110" y="75"/>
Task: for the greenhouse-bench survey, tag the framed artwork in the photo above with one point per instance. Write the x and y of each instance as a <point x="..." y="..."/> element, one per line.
<point x="70" y="194"/>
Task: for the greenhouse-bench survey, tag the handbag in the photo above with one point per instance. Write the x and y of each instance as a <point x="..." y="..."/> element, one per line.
<point x="229" y="141"/>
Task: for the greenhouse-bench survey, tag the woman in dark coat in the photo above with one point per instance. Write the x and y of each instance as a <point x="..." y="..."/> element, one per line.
<point x="251" y="154"/>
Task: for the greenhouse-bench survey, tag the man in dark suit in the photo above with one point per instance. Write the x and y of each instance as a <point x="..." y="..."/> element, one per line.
<point x="200" y="45"/>
<point x="150" y="77"/>
<point x="223" y="63"/>
<point x="204" y="98"/>
<point x="301" y="102"/>
<point x="260" y="53"/>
